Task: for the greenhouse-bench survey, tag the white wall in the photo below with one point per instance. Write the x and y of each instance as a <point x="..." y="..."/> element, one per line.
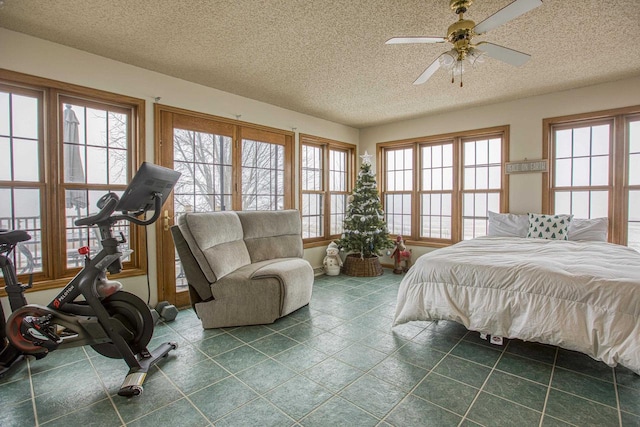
<point x="30" y="55"/>
<point x="525" y="119"/>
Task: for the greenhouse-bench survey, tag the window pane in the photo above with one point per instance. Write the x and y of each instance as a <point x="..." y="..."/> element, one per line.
<point x="634" y="136"/>
<point x="634" y="169"/>
<point x="399" y="170"/>
<point x="495" y="150"/>
<point x="5" y="158"/>
<point x="493" y="203"/>
<point x="494" y="177"/>
<point x="25" y="160"/>
<point x="563" y="143"/>
<point x="447" y="155"/>
<point x="24" y="116"/>
<point x="20" y="210"/>
<point x="436" y="156"/>
<point x="563" y="173"/>
<point x="437" y="179"/>
<point x="600" y="141"/>
<point x="117" y="166"/>
<point x="482" y="178"/>
<point x="468" y="205"/>
<point x="337" y="170"/>
<point x="312" y="216"/>
<point x="480" y="208"/>
<point x="600" y="170"/>
<point x="581" y="171"/>
<point x="118" y="128"/>
<point x="262" y="175"/>
<point x="4" y="114"/>
<point x="482" y="152"/>
<point x="634" y="206"/>
<point x="599" y="204"/>
<point x="580" y="204"/>
<point x="96" y="127"/>
<point x="634" y="152"/>
<point x="469" y="153"/>
<point x="447" y="178"/>
<point x="469" y="178"/>
<point x="581" y="142"/>
<point x="562" y="202"/>
<point x="398" y="213"/>
<point x="338" y="208"/>
<point x="311" y="168"/>
<point x="204" y="160"/>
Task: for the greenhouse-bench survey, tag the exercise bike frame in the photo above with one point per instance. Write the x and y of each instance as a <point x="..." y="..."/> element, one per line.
<point x="89" y="320"/>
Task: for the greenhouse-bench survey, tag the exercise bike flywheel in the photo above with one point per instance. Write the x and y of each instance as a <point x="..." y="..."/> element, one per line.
<point x="14" y="334"/>
<point x="134" y="315"/>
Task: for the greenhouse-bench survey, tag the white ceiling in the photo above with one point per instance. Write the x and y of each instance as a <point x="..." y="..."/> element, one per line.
<point x="327" y="58"/>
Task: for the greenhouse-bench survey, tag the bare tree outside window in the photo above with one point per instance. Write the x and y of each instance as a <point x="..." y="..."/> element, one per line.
<point x="205" y="161"/>
<point x="262" y="176"/>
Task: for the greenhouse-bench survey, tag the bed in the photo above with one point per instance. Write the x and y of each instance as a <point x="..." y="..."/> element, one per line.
<point x="578" y="295"/>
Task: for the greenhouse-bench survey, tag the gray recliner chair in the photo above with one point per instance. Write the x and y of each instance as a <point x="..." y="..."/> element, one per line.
<point x="243" y="267"/>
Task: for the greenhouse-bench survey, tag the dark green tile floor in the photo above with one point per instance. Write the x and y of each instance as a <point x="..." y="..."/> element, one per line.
<point x="336" y="362"/>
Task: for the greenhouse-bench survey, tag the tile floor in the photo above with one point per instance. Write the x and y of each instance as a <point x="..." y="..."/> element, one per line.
<point x="336" y="362"/>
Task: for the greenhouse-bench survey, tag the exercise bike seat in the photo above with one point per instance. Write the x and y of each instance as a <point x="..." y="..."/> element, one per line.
<point x="14" y="236"/>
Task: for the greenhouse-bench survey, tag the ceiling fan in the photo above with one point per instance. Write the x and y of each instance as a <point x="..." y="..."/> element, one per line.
<point x="460" y="34"/>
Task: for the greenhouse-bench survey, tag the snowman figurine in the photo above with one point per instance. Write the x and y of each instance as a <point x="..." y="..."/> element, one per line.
<point x="332" y="262"/>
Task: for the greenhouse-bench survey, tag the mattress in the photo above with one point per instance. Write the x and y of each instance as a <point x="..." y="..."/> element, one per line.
<point x="582" y="296"/>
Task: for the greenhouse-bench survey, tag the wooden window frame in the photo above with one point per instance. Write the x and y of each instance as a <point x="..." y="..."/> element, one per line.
<point x="238" y="130"/>
<point x="55" y="271"/>
<point x="326" y="145"/>
<point x="457" y="138"/>
<point x="618" y="163"/>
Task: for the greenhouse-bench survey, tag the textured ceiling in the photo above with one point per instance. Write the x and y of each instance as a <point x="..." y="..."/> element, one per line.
<point x="327" y="58"/>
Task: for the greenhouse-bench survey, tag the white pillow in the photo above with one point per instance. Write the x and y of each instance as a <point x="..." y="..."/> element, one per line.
<point x="550" y="227"/>
<point x="594" y="230"/>
<point x="508" y="225"/>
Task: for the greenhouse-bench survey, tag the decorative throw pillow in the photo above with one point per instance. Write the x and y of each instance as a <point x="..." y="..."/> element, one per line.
<point x="593" y="230"/>
<point x="508" y="225"/>
<point x="550" y="227"/>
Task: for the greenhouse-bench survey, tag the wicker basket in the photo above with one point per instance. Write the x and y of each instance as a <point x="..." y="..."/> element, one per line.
<point x="362" y="267"/>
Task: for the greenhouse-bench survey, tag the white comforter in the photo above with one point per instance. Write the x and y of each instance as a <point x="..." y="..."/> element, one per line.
<point x="582" y="296"/>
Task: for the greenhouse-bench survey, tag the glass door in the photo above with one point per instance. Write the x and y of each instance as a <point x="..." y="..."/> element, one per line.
<point x="202" y="151"/>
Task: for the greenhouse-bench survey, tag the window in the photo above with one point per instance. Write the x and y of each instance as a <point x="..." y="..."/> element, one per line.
<point x="326" y="180"/>
<point x="437" y="190"/>
<point x="594" y="169"/>
<point x="61" y="148"/>
<point x="225" y="164"/>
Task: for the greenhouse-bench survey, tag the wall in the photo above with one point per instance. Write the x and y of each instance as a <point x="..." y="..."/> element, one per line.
<point x="525" y="119"/>
<point x="30" y="55"/>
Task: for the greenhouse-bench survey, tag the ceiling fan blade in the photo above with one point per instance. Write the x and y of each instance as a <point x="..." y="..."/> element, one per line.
<point x="408" y="40"/>
<point x="435" y="65"/>
<point x="506" y="14"/>
<point x="504" y="54"/>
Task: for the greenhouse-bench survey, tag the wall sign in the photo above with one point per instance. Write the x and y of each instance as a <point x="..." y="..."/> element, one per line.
<point x="526" y="166"/>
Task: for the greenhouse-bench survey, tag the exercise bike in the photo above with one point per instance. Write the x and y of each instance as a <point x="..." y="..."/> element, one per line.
<point x="91" y="310"/>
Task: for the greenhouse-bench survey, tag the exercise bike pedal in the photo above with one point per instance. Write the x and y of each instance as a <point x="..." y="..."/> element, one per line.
<point x="36" y="330"/>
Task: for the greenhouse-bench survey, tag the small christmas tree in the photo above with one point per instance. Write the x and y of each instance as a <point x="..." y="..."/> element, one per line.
<point x="365" y="230"/>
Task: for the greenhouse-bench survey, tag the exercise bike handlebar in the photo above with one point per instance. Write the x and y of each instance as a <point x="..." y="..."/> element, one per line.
<point x="109" y="206"/>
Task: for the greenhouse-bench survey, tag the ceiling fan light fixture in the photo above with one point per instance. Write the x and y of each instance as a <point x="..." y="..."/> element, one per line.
<point x="459" y="62"/>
